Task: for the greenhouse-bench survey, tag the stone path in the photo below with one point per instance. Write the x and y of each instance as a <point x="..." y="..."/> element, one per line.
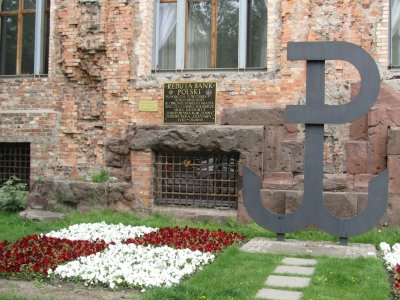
<point x="294" y="273"/>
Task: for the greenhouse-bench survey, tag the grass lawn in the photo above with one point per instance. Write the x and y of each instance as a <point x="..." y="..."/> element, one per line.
<point x="235" y="274"/>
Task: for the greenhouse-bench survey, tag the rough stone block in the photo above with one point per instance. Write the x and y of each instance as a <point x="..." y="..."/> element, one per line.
<point x="394" y="174"/>
<point x="291" y="131"/>
<point x="362" y="202"/>
<point x="331" y="182"/>
<point x="393" y="141"/>
<point x="357" y="157"/>
<point x="242" y="214"/>
<point x="273" y="138"/>
<point x="278" y="180"/>
<point x="273" y="200"/>
<point x="377" y="149"/>
<point x="341" y="205"/>
<point x="252" y="116"/>
<point x="335" y="182"/>
<point x="361" y="182"/>
<point x="359" y="129"/>
<point x="392" y="214"/>
<point x="291" y="156"/>
<point x="292" y="201"/>
<point x="298" y="182"/>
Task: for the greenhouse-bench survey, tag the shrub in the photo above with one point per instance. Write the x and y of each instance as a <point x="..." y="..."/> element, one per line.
<point x="13" y="195"/>
<point x="101" y="176"/>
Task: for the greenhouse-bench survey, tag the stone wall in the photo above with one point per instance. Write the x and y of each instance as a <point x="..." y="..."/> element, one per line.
<point x="80" y="117"/>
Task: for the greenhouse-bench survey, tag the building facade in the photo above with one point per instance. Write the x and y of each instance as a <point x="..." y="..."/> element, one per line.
<point x="82" y="89"/>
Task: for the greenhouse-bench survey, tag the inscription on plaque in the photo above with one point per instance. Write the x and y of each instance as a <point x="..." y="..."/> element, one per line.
<point x="189" y="102"/>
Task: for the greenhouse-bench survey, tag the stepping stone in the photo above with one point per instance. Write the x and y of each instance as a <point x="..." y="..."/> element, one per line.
<point x="299" y="261"/>
<point x="41" y="215"/>
<point x="273" y="294"/>
<point x="307" y="271"/>
<point x="287" y="281"/>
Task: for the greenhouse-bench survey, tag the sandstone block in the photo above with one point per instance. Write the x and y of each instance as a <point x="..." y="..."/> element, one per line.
<point x="335" y="182"/>
<point x="292" y="201"/>
<point x="362" y="202"/>
<point x="359" y="129"/>
<point x="394" y="141"/>
<point x="361" y="182"/>
<point x="291" y="156"/>
<point x="252" y="116"/>
<point x="273" y="200"/>
<point x="377" y="149"/>
<point x="394" y="174"/>
<point x="273" y="138"/>
<point x="392" y="214"/>
<point x="331" y="182"/>
<point x="278" y="180"/>
<point x="341" y="204"/>
<point x="357" y="157"/>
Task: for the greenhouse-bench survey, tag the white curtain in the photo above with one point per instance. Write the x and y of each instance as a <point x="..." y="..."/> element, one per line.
<point x="167" y="22"/>
<point x="395" y="29"/>
<point x="166" y="37"/>
<point x="198" y="36"/>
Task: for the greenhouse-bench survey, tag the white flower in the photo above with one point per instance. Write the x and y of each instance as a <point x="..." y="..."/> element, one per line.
<point x="391" y="255"/>
<point x="107" y="232"/>
<point x="135" y="265"/>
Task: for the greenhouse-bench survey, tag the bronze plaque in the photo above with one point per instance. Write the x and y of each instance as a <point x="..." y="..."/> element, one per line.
<point x="189" y="102"/>
<point x="148" y="105"/>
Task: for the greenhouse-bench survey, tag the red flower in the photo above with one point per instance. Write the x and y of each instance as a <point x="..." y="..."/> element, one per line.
<point x="191" y="238"/>
<point x="37" y="254"/>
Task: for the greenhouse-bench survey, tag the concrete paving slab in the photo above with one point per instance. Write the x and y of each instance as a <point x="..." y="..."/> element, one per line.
<point x="272" y="294"/>
<point x="287" y="281"/>
<point x="293" y="261"/>
<point x="352" y="250"/>
<point x="295" y="270"/>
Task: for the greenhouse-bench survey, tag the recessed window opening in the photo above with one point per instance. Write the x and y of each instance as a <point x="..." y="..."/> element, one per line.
<point x="209" y="34"/>
<point x="15" y="161"/>
<point x="208" y="180"/>
<point x="24" y="36"/>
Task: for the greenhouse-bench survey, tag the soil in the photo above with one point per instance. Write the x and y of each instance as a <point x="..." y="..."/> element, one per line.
<point x="62" y="290"/>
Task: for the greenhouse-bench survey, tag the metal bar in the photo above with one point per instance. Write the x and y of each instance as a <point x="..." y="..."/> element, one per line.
<point x="197" y="179"/>
<point x="39" y="36"/>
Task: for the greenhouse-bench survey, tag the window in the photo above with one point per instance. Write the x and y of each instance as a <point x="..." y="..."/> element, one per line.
<point x="203" y="34"/>
<point x="24" y="36"/>
<point x="15" y="161"/>
<point x="207" y="180"/>
<point x="395" y="32"/>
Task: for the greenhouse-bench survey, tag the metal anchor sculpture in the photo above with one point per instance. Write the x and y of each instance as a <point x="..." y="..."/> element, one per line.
<point x="314" y="115"/>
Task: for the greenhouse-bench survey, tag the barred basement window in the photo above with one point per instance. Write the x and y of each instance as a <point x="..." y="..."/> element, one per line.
<point x="14" y="161"/>
<point x="196" y="179"/>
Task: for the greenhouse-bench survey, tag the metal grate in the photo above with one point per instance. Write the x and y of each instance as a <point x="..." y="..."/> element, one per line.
<point x="196" y="179"/>
<point x="14" y="161"/>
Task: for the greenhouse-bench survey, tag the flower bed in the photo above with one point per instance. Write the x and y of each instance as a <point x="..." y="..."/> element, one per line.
<point x="115" y="255"/>
<point x="391" y="256"/>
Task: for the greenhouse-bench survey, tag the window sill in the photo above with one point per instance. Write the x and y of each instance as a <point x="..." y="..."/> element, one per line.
<point x="211" y="70"/>
<point x="25" y="76"/>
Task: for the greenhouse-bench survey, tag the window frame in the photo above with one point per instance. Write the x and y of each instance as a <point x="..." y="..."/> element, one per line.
<point x="42" y="12"/>
<point x="181" y="36"/>
<point x="391" y="64"/>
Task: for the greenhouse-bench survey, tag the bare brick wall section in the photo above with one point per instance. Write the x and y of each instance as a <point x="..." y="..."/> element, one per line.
<point x="142" y="176"/>
<point x="100" y="69"/>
